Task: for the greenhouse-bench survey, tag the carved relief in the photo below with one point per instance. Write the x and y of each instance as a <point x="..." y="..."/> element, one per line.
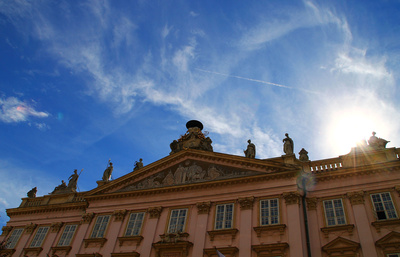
<point x="291" y="197"/>
<point x="87" y="218"/>
<point x="189" y="172"/>
<point x="356" y="197"/>
<point x="203" y="208"/>
<point x="30" y="228"/>
<point x="246" y="203"/>
<point x="119" y="215"/>
<point x="311" y="203"/>
<point x="55" y="227"/>
<point x="154" y="212"/>
<point x="6" y="230"/>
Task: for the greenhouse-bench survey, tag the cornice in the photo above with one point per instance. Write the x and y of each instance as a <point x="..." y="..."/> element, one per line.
<point x="46" y="208"/>
<point x="168" y="161"/>
<point x="195" y="186"/>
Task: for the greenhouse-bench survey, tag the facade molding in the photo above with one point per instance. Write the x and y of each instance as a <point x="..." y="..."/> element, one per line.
<point x="154" y="212"/>
<point x="246" y="203"/>
<point x="232" y="232"/>
<point x="356" y="197"/>
<point x="203" y="207"/>
<point x="278" y="227"/>
<point x="291" y="197"/>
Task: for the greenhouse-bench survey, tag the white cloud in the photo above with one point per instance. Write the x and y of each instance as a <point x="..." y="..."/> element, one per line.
<point x="14" y="110"/>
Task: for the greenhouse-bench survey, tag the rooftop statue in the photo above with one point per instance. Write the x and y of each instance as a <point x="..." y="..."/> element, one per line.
<point x="60" y="188"/>
<point x="63" y="188"/>
<point x="194" y="138"/>
<point x="107" y="173"/>
<point x="288" y="146"/>
<point x="138" y="164"/>
<point x="73" y="181"/>
<point x="303" y="155"/>
<point x="32" y="192"/>
<point x="250" y="152"/>
<point x="376" y="142"/>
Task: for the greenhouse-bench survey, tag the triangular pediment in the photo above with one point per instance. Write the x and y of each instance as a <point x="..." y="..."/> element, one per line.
<point x="391" y="239"/>
<point x="190" y="168"/>
<point x="341" y="244"/>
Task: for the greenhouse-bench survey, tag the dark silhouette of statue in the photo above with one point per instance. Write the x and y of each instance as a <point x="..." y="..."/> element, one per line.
<point x="32" y="192"/>
<point x="250" y="152"/>
<point x="107" y="173"/>
<point x="288" y="146"/>
<point x="73" y="181"/>
<point x="376" y="142"/>
<point x="138" y="164"/>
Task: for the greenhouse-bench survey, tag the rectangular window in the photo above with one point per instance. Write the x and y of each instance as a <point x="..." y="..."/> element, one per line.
<point x="13" y="238"/>
<point x="134" y="224"/>
<point x="100" y="226"/>
<point x="67" y="235"/>
<point x="383" y="206"/>
<point x="177" y="220"/>
<point x="393" y="255"/>
<point x="334" y="212"/>
<point x="224" y="216"/>
<point x="39" y="237"/>
<point x="269" y="212"/>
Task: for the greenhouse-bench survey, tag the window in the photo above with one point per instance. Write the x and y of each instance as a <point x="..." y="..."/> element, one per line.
<point x="67" y="235"/>
<point x="39" y="237"/>
<point x="100" y="226"/>
<point x="224" y="216"/>
<point x="14" y="237"/>
<point x="269" y="212"/>
<point x="393" y="255"/>
<point x="177" y="220"/>
<point x="134" y="224"/>
<point x="334" y="212"/>
<point x="383" y="206"/>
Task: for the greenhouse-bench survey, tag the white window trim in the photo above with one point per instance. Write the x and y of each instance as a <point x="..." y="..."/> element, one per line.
<point x="334" y="212"/>
<point x="224" y="216"/>
<point x="384" y="207"/>
<point x="100" y="227"/>
<point x="175" y="228"/>
<point x="269" y="211"/>
<point x="67" y="236"/>
<point x="39" y="237"/>
<point x="135" y="225"/>
<point x="13" y="239"/>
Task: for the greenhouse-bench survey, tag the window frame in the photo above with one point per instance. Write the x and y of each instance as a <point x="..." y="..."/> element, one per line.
<point x="170" y="216"/>
<point x="260" y="211"/>
<point x="134" y="225"/>
<point x="383" y="205"/>
<point x="12" y="235"/>
<point x="232" y="223"/>
<point x="335" y="217"/>
<point x="37" y="239"/>
<point x="101" y="224"/>
<point x="393" y="255"/>
<point x="72" y="236"/>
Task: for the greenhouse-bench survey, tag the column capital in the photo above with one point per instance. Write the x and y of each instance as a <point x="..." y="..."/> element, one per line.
<point x="87" y="218"/>
<point x="154" y="212"/>
<point x="356" y="197"/>
<point x="246" y="203"/>
<point x="203" y="207"/>
<point x="311" y="203"/>
<point x="291" y="197"/>
<point x="119" y="215"/>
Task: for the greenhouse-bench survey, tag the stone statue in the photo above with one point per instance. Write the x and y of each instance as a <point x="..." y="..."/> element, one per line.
<point x="107" y="173"/>
<point x="32" y="193"/>
<point x="60" y="188"/>
<point x="303" y="155"/>
<point x="138" y="164"/>
<point x="376" y="142"/>
<point x="73" y="180"/>
<point x="250" y="152"/>
<point x="288" y="146"/>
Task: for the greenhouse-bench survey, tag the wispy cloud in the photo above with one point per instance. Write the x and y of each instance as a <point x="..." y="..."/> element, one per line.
<point x="14" y="110"/>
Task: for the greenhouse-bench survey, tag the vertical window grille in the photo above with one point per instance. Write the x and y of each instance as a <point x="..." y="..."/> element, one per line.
<point x="14" y="237"/>
<point x="269" y="212"/>
<point x="39" y="237"/>
<point x="334" y="212"/>
<point x="383" y="205"/>
<point x="224" y="216"/>
<point x="177" y="220"/>
<point x="67" y="235"/>
<point x="100" y="226"/>
<point x="134" y="224"/>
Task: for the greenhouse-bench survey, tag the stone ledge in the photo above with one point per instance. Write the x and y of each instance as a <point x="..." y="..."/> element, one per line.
<point x="231" y="232"/>
<point x="327" y="230"/>
<point x="100" y="241"/>
<point x="124" y="239"/>
<point x="277" y="227"/>
<point x="385" y="223"/>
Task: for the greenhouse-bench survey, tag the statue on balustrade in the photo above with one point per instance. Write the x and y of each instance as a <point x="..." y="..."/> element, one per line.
<point x="107" y="173"/>
<point x="138" y="164"/>
<point x="376" y="142"/>
<point x="32" y="192"/>
<point x="73" y="181"/>
<point x="303" y="155"/>
<point x="288" y="146"/>
<point x="250" y="152"/>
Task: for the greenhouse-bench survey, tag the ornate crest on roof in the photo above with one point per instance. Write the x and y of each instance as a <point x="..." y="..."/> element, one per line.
<point x="194" y="138"/>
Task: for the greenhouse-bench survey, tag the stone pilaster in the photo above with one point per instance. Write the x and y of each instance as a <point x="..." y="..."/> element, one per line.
<point x="87" y="218"/>
<point x="6" y="230"/>
<point x="356" y="197"/>
<point x="311" y="203"/>
<point x="246" y="203"/>
<point x="119" y="215"/>
<point x="30" y="228"/>
<point x="291" y="197"/>
<point x="154" y="212"/>
<point x="55" y="227"/>
<point x="203" y="207"/>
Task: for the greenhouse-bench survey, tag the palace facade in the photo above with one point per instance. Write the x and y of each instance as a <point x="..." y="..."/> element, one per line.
<point x="197" y="202"/>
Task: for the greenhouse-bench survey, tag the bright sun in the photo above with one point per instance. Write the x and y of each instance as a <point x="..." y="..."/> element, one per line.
<point x="349" y="128"/>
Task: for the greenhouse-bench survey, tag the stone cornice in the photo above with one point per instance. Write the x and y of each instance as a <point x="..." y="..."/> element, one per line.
<point x="168" y="161"/>
<point x="46" y="208"/>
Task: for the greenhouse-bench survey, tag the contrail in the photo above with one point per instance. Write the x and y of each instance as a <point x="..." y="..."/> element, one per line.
<point x="256" y="80"/>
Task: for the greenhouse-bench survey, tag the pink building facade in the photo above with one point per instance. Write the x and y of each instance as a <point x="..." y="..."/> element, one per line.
<point x="196" y="202"/>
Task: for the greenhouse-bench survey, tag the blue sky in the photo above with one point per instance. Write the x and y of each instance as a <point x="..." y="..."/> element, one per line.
<point x="82" y="82"/>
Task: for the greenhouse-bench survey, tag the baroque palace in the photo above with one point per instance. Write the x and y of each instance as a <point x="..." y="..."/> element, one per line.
<point x="196" y="202"/>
